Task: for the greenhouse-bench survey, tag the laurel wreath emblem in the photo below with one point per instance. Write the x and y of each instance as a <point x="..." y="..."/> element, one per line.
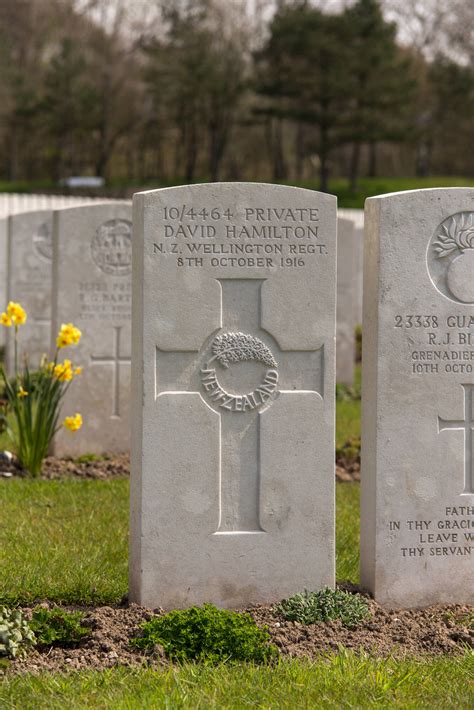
<point x="238" y="347"/>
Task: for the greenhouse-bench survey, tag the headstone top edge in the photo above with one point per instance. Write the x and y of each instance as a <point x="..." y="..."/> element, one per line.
<point x="328" y="197"/>
<point x="32" y="213"/>
<point x="416" y="193"/>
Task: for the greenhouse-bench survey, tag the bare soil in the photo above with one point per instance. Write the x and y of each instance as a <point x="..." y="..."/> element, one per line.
<point x="100" y="467"/>
<point x="437" y="630"/>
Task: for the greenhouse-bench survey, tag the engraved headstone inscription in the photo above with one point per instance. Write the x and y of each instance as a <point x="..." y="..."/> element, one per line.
<point x="417" y="507"/>
<point x="92" y="289"/>
<point x="346" y="300"/>
<point x="232" y="497"/>
<point x="29" y="282"/>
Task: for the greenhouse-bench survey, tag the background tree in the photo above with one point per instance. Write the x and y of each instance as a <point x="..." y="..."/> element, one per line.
<point x="303" y="73"/>
<point x="383" y="88"/>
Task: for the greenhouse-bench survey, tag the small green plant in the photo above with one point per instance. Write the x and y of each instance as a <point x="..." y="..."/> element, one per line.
<point x="58" y="627"/>
<point x="207" y="634"/>
<point x="466" y="619"/>
<point x="349" y="453"/>
<point x="346" y="393"/>
<point x="324" y="605"/>
<point x="16" y="635"/>
<point x="33" y="398"/>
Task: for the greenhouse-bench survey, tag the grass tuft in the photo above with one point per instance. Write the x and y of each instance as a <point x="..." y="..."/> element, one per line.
<point x="342" y="680"/>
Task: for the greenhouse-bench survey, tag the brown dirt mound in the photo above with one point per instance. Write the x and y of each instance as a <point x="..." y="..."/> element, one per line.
<point x="104" y="467"/>
<point x="432" y="631"/>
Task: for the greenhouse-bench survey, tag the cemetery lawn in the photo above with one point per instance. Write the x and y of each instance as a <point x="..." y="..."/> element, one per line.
<point x="66" y="541"/>
<point x="345" y="680"/>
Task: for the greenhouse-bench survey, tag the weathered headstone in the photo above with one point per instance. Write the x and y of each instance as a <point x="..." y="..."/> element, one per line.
<point x="417" y="512"/>
<point x="92" y="289"/>
<point x="29" y="273"/>
<point x="3" y="274"/>
<point x="232" y="491"/>
<point x="346" y="300"/>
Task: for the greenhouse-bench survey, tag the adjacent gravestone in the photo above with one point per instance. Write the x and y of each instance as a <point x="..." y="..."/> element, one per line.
<point x="417" y="512"/>
<point x="29" y="272"/>
<point x="3" y="275"/>
<point x="92" y="289"/>
<point x="232" y="491"/>
<point x="346" y="301"/>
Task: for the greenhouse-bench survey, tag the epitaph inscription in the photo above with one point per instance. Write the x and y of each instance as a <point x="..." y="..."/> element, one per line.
<point x="234" y="297"/>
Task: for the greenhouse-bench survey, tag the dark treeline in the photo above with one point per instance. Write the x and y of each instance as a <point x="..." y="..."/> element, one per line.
<point x="198" y="90"/>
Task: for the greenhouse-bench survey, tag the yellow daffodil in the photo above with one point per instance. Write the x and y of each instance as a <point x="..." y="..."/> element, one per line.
<point x="16" y="313"/>
<point x="5" y="320"/>
<point x="78" y="371"/>
<point x="73" y="423"/>
<point x="68" y="335"/>
<point x="22" y="393"/>
<point x="63" y="371"/>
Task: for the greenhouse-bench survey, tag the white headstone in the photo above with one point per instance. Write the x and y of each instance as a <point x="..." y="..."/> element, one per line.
<point x="3" y="275"/>
<point x="346" y="301"/>
<point x="92" y="289"/>
<point x="417" y="509"/>
<point x="29" y="283"/>
<point x="232" y="491"/>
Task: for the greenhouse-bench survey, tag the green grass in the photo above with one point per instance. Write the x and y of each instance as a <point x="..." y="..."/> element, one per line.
<point x="348" y="415"/>
<point x="347" y="532"/>
<point x="347" y="421"/>
<point x="67" y="540"/>
<point x="345" y="680"/>
<point x="63" y="540"/>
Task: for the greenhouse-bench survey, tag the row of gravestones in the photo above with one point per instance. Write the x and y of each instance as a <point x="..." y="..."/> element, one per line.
<point x="74" y="265"/>
<point x="90" y="283"/>
<point x="233" y="374"/>
<point x="13" y="204"/>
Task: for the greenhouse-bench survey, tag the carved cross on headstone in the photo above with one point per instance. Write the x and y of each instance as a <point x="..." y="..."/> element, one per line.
<point x="466" y="425"/>
<point x="116" y="359"/>
<point x="238" y="372"/>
